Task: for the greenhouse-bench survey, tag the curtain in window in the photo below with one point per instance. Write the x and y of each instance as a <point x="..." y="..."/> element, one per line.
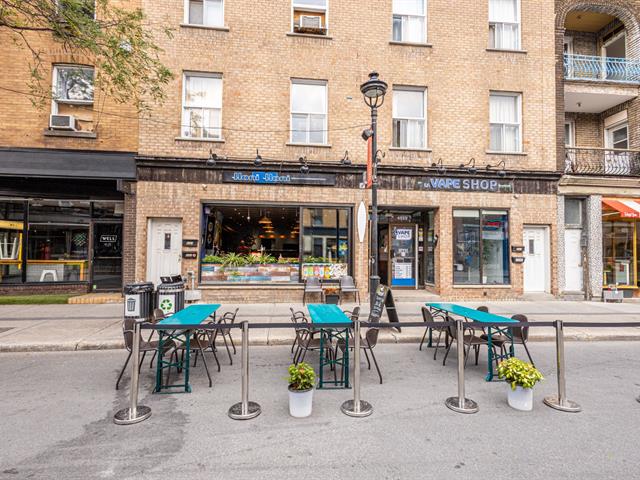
<point x="408" y="115"/>
<point x="308" y="113"/>
<point x="503" y="11"/>
<point x="504" y="26"/>
<point x="505" y="128"/>
<point x="213" y="13"/>
<point x="203" y="107"/>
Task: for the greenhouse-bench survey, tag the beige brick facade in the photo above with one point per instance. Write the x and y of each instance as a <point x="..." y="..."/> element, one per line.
<point x="257" y="57"/>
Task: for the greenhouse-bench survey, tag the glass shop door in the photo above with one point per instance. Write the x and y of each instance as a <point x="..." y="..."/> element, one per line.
<point x="403" y="264"/>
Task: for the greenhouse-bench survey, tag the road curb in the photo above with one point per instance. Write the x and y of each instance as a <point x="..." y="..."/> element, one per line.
<point x="394" y="339"/>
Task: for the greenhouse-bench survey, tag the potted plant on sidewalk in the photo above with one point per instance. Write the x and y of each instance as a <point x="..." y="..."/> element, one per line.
<point x="302" y="380"/>
<point x="521" y="378"/>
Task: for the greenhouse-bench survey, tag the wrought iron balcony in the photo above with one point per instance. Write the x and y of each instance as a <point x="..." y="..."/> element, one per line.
<point x="601" y="69"/>
<point x="602" y="161"/>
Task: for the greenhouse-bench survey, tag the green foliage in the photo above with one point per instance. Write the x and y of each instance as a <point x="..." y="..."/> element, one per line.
<point x="310" y="259"/>
<point x="301" y="376"/>
<point x="213" y="259"/>
<point x="263" y="259"/>
<point x="234" y="260"/>
<point x="519" y="373"/>
<point x="114" y="40"/>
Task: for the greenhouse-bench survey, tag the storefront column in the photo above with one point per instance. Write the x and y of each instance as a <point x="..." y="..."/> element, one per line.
<point x="129" y="233"/>
<point x="594" y="249"/>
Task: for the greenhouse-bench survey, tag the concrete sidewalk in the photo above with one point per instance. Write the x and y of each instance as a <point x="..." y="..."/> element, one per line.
<point x="97" y="327"/>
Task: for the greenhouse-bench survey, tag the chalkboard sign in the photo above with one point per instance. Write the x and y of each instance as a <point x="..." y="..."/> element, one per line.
<point x="382" y="299"/>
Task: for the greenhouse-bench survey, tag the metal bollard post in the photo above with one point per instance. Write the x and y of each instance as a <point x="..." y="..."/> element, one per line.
<point x="560" y="402"/>
<point x="134" y="413"/>
<point x="245" y="409"/>
<point x="461" y="404"/>
<point x="356" y="407"/>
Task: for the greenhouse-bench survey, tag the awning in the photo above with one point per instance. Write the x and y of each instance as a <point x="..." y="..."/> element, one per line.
<point x="628" y="208"/>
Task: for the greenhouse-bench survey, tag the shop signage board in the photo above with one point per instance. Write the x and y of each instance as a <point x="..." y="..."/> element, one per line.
<point x="276" y="178"/>
<point x="108" y="238"/>
<point x="383" y="299"/>
<point x="362" y="221"/>
<point x="457" y="184"/>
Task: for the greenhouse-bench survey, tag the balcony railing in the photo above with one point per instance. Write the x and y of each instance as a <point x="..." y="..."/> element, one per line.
<point x="602" y="161"/>
<point x="601" y="69"/>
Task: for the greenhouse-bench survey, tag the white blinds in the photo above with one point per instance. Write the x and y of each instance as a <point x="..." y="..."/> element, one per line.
<point x="408" y="7"/>
<point x="308" y="98"/>
<point x="503" y="11"/>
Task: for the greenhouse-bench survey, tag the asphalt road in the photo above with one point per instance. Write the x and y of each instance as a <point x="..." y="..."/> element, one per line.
<point x="57" y="411"/>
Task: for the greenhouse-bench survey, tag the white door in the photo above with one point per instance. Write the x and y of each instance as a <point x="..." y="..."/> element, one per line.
<point x="164" y="248"/>
<point x="536" y="253"/>
<point x="573" y="260"/>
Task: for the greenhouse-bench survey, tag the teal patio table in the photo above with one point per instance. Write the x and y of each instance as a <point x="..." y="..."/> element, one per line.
<point x="323" y="314"/>
<point x="481" y="317"/>
<point x="192" y="315"/>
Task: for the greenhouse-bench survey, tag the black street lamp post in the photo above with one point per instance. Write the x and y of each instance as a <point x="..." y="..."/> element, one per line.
<point x="374" y="91"/>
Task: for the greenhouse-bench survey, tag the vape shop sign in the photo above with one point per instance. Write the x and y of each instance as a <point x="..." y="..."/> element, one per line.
<point x="455" y="184"/>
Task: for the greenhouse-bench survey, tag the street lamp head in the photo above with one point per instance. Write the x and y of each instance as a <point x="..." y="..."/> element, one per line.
<point x="258" y="160"/>
<point x="374" y="90"/>
<point x="367" y="133"/>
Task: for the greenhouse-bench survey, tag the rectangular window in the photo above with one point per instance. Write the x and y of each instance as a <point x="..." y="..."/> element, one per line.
<point x="308" y="112"/>
<point x="481" y="247"/>
<point x="409" y="126"/>
<point x="409" y="21"/>
<point x="573" y="212"/>
<point x="504" y="24"/>
<point x="310" y="16"/>
<point x="202" y="106"/>
<point x="325" y="243"/>
<point x="505" y="119"/>
<point x="209" y="13"/>
<point x="618" y="253"/>
<point x="11" y="239"/>
<point x="72" y="85"/>
<point x="618" y="136"/>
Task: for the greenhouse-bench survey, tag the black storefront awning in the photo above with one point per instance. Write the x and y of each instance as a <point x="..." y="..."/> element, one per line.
<point x="40" y="162"/>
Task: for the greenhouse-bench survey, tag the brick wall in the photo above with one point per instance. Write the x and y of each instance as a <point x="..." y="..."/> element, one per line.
<point x="257" y="59"/>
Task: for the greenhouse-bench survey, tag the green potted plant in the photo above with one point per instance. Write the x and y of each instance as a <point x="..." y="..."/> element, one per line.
<point x="521" y="378"/>
<point x="302" y="380"/>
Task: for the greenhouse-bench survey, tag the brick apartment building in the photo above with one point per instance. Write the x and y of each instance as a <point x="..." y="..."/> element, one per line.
<point x="258" y="149"/>
<point x="63" y="169"/>
<point x="506" y="144"/>
<point x="598" y="46"/>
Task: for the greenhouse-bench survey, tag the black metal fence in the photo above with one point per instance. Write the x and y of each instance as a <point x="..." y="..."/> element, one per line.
<point x="602" y="161"/>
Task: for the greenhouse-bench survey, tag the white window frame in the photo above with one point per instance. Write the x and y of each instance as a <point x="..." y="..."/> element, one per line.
<point x="423" y="90"/>
<point x="571" y="141"/>
<point x="300" y="5"/>
<point x="608" y="134"/>
<point x="518" y="23"/>
<point x="54" y="87"/>
<point x="184" y="124"/>
<point x="517" y="95"/>
<point x="301" y="81"/>
<point x="424" y="32"/>
<point x="204" y="3"/>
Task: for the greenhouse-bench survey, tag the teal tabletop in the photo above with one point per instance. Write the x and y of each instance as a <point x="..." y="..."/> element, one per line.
<point x="323" y="313"/>
<point x="470" y="313"/>
<point x="192" y="315"/>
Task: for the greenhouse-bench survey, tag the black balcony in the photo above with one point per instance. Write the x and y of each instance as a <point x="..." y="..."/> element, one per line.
<point x="602" y="161"/>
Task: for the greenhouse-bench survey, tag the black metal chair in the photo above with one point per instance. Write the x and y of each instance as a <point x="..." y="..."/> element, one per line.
<point x="427" y="316"/>
<point x="469" y="340"/>
<point x="228" y="318"/>
<point x="367" y="344"/>
<point x="145" y="346"/>
<point x="521" y="334"/>
<point x="312" y="285"/>
<point x="348" y="285"/>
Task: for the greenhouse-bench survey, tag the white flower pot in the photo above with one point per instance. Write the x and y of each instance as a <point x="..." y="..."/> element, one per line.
<point x="300" y="402"/>
<point x="520" y="398"/>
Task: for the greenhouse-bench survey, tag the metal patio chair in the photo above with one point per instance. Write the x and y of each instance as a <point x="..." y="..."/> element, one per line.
<point x="347" y="285"/>
<point x="469" y="340"/>
<point x="145" y="346"/>
<point x="228" y="318"/>
<point x="367" y="344"/>
<point x="312" y="285"/>
<point x="521" y="334"/>
<point x="427" y="316"/>
<point x="297" y="316"/>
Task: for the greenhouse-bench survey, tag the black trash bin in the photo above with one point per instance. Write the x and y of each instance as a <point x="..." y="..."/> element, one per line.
<point x="138" y="300"/>
<point x="170" y="296"/>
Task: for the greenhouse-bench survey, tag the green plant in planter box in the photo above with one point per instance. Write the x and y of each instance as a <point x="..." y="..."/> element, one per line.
<point x="234" y="260"/>
<point x="519" y="373"/>
<point x="213" y="259"/>
<point x="301" y="376"/>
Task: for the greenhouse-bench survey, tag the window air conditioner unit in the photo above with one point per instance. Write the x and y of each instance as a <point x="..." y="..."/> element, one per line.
<point x="63" y="122"/>
<point x="310" y="21"/>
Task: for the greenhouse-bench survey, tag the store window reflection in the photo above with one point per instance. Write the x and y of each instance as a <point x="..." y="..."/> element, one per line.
<point x="481" y="247"/>
<point x="618" y="250"/>
<point x="325" y="243"/>
<point x="11" y="228"/>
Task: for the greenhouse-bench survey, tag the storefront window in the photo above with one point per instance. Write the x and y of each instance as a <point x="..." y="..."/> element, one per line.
<point x="618" y="253"/>
<point x="248" y="244"/>
<point x="325" y="243"/>
<point x="11" y="228"/>
<point x="481" y="247"/>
